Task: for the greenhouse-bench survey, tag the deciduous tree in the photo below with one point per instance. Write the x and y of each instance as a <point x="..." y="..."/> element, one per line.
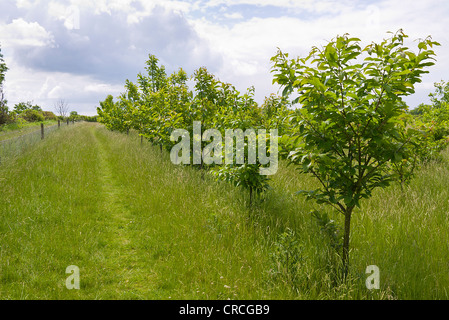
<point x="350" y="103"/>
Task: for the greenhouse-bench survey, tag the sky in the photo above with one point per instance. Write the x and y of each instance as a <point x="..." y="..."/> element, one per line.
<point x="81" y="51"/>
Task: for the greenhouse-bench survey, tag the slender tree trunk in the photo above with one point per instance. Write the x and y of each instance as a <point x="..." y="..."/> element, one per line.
<point x="345" y="257"/>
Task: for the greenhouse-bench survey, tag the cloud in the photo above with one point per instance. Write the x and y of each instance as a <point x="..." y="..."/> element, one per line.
<point x="21" y="33"/>
<point x="234" y="15"/>
<point x="83" y="50"/>
<point x="109" y="44"/>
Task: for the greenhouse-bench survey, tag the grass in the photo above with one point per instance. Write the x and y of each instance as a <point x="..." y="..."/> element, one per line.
<point x="13" y="130"/>
<point x="139" y="227"/>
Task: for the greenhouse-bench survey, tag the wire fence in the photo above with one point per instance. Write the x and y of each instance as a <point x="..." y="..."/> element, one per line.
<point x="13" y="147"/>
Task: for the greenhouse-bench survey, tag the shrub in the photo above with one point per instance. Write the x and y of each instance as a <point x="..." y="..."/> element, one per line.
<point x="32" y="116"/>
<point x="5" y="117"/>
<point x="89" y="118"/>
<point x="48" y="115"/>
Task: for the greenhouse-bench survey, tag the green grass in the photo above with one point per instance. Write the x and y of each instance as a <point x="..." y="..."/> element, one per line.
<point x="139" y="227"/>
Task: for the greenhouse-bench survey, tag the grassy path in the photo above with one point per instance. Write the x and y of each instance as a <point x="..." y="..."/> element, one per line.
<point x="121" y="253"/>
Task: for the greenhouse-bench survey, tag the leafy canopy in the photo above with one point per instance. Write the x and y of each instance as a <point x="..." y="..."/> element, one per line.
<point x="347" y="126"/>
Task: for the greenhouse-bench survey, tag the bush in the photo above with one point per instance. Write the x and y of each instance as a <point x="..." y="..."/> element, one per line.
<point x="32" y="116"/>
<point x="48" y="115"/>
<point x="5" y="117"/>
<point x="89" y="118"/>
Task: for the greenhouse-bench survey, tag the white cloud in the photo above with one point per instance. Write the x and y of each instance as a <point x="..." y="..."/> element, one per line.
<point x="102" y="88"/>
<point x="135" y="10"/>
<point x="25" y="4"/>
<point x="69" y="14"/>
<point x="22" y="33"/>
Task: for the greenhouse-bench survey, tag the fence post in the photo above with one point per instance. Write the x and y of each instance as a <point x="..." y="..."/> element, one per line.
<point x="42" y="131"/>
<point x="59" y="123"/>
<point x="67" y="121"/>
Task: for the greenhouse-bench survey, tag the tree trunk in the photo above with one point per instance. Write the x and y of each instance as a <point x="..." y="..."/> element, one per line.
<point x="345" y="257"/>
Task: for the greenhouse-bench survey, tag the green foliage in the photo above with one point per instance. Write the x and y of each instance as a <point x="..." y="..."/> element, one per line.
<point x="112" y="115"/>
<point x="160" y="103"/>
<point x="5" y="116"/>
<point x="74" y="116"/>
<point x="48" y="115"/>
<point x="4" y="112"/>
<point x="32" y="116"/>
<point x="287" y="257"/>
<point x="441" y="95"/>
<point x="246" y="176"/>
<point x="348" y="127"/>
<point x="32" y="113"/>
<point x="427" y="128"/>
<point x="275" y="113"/>
<point x="24" y="106"/>
<point x="330" y="229"/>
<point x="89" y="118"/>
<point x="3" y="68"/>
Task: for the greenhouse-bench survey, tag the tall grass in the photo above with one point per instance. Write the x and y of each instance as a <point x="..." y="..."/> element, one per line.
<point x="13" y="142"/>
<point x="15" y="129"/>
<point x="139" y="227"/>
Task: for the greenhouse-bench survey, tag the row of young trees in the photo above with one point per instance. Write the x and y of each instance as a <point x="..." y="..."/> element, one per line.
<point x="348" y="125"/>
<point x="159" y="103"/>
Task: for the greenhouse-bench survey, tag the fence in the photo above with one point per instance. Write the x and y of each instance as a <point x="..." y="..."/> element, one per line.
<point x="13" y="147"/>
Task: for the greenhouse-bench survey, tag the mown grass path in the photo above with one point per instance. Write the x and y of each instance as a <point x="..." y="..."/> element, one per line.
<point x="121" y="254"/>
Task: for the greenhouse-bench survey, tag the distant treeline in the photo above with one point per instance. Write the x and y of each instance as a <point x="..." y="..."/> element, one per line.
<point x="24" y="112"/>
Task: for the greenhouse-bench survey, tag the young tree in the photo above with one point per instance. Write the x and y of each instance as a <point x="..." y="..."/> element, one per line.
<point x="24" y="106"/>
<point x="441" y="94"/>
<point x="74" y="116"/>
<point x="347" y="124"/>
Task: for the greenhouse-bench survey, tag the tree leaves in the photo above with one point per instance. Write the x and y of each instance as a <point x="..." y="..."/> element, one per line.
<point x="349" y="109"/>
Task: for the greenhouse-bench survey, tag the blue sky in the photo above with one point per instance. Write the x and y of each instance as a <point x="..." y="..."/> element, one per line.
<point x="81" y="50"/>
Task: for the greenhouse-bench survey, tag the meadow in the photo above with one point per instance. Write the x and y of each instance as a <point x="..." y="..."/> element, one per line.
<point x="140" y="227"/>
